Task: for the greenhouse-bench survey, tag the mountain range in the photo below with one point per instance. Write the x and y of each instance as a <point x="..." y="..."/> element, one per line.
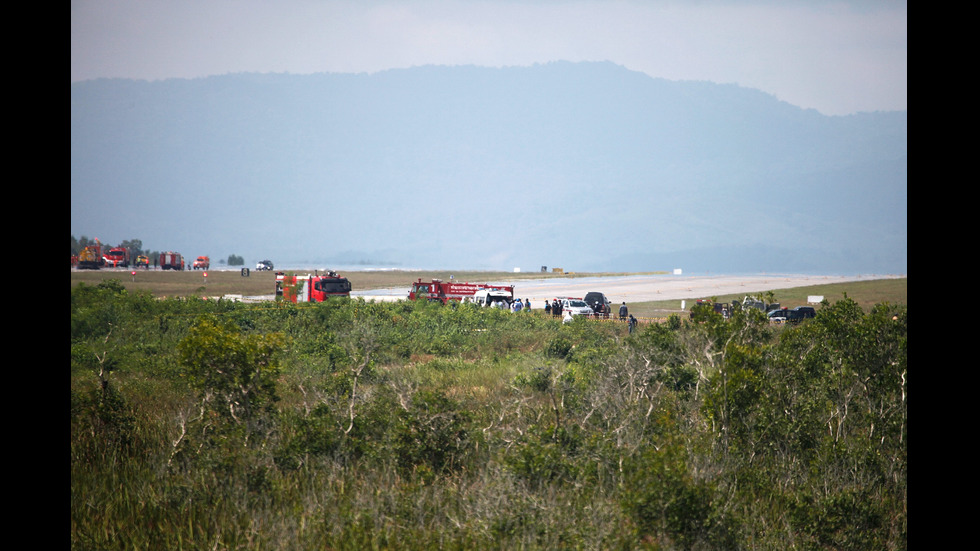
<point x="587" y="166"/>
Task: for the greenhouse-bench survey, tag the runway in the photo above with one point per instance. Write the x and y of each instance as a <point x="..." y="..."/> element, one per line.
<point x="646" y="288"/>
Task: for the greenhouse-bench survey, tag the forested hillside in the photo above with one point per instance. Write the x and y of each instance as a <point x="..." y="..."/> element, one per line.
<point x="589" y="166"/>
<point x="352" y="425"/>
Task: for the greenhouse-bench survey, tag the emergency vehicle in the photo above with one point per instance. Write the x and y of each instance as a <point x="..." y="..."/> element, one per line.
<point x="91" y="257"/>
<point x="446" y="291"/>
<point x="311" y="288"/>
<point x="171" y="261"/>
<point x="117" y="257"/>
<point x="496" y="298"/>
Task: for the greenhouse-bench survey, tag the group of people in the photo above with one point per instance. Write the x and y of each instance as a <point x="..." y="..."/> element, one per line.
<point x="623" y="313"/>
<point x="557" y="309"/>
<point x="518" y="306"/>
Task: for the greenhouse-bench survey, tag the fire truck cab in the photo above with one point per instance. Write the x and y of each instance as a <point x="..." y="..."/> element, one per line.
<point x="117" y="257"/>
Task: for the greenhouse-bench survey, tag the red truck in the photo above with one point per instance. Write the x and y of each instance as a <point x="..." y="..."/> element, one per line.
<point x="171" y="261"/>
<point x="481" y="293"/>
<point x="117" y="257"/>
<point x="202" y="263"/>
<point x="311" y="288"/>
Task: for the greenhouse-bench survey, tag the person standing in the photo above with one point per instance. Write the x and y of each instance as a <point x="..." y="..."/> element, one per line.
<point x="547" y="307"/>
<point x="527" y="305"/>
<point x="632" y="324"/>
<point x="623" y="311"/>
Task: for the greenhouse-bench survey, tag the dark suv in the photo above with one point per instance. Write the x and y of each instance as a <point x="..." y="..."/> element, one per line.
<point x="598" y="302"/>
<point x="800" y="313"/>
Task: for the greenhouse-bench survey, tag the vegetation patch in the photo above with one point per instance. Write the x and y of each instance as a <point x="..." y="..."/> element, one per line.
<point x="351" y="425"/>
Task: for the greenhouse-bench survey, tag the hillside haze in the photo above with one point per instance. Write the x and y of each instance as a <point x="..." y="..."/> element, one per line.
<point x="588" y="166"/>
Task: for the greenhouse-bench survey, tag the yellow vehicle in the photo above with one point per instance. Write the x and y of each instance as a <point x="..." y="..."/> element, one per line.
<point x="91" y="257"/>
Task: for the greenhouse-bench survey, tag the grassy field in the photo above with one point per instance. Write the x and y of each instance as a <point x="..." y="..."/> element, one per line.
<point x="865" y="293"/>
<point x="189" y="283"/>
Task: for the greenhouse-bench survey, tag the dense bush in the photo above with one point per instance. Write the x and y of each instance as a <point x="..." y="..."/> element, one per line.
<point x="356" y="425"/>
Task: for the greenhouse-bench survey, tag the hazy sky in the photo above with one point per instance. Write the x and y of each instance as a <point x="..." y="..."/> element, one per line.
<point x="837" y="57"/>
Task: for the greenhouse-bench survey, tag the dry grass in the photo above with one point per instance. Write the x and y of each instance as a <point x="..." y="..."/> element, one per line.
<point x="189" y="283"/>
<point x="865" y="293"/>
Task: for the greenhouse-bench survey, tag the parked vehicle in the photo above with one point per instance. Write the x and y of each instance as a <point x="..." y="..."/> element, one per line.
<point x="599" y="303"/>
<point x="117" y="257"/>
<point x="311" y="287"/>
<point x="171" y="261"/>
<point x="142" y="261"/>
<point x="442" y="291"/>
<point x="575" y="306"/>
<point x="800" y="313"/>
<point x="202" y="263"/>
<point x="264" y="265"/>
<point x="91" y="257"/>
<point x="721" y="308"/>
<point x="494" y="298"/>
<point x="778" y="316"/>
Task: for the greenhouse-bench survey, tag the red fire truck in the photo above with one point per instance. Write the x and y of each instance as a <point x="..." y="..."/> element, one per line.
<point x="117" y="257"/>
<point x="484" y="293"/>
<point x="311" y="288"/>
<point x="171" y="261"/>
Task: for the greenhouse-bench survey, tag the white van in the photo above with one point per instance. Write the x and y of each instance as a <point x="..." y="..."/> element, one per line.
<point x="493" y="297"/>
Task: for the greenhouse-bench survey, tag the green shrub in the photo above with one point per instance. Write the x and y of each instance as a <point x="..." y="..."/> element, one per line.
<point x="349" y="424"/>
<point x="558" y="347"/>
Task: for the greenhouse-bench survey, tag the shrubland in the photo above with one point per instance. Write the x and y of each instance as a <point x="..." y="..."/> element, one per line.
<point x="353" y="425"/>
